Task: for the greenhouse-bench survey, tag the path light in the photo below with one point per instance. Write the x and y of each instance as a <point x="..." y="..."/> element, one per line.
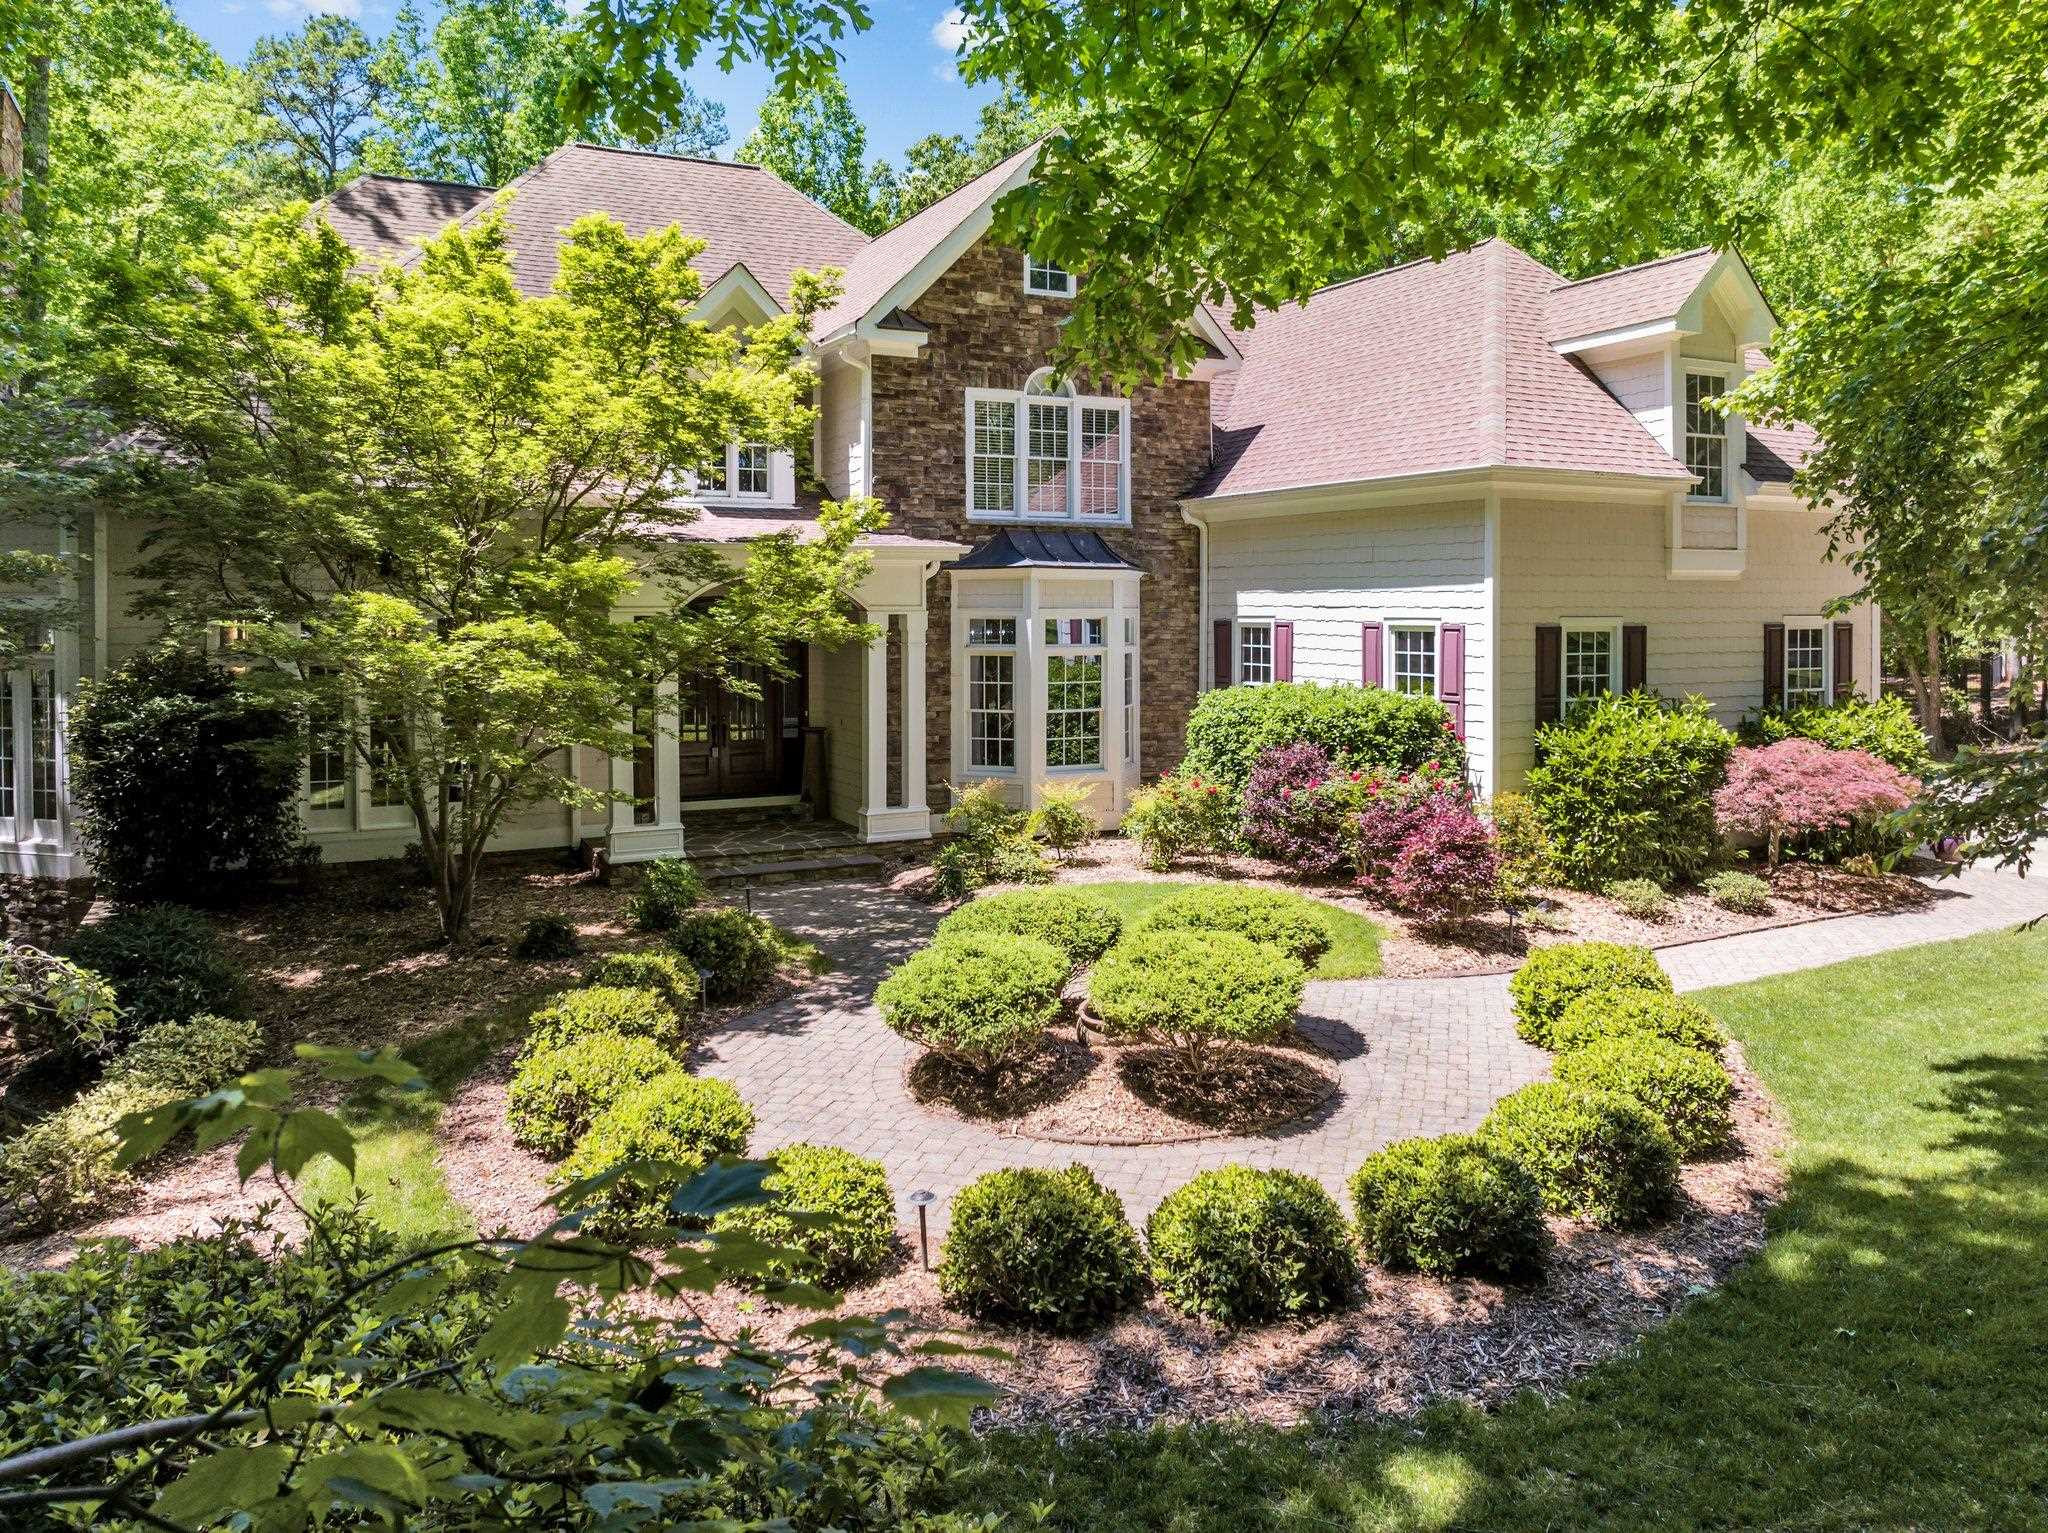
<point x="921" y="1200"/>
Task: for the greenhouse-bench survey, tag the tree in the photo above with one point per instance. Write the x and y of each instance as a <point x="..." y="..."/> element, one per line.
<point x="939" y="163"/>
<point x="812" y="139"/>
<point x="319" y="90"/>
<point x="425" y="493"/>
<point x="696" y="126"/>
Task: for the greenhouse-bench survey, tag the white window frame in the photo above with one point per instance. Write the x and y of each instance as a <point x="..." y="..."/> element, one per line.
<point x="24" y="827"/>
<point x="738" y="467"/>
<point x="1827" y="661"/>
<point x="1571" y="625"/>
<point x="1037" y="288"/>
<point x="343" y="817"/>
<point x="1021" y="401"/>
<point x="1431" y="626"/>
<point x="1049" y="652"/>
<point x="1688" y="369"/>
<point x="1128" y="695"/>
<point x="729" y="491"/>
<point x="1238" y="632"/>
<point x="1014" y="653"/>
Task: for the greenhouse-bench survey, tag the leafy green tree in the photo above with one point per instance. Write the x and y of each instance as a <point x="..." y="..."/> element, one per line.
<point x="940" y="162"/>
<point x="813" y="139"/>
<point x="425" y="494"/>
<point x="319" y="91"/>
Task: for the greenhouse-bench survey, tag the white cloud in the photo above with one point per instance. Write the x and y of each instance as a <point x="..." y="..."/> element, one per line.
<point x="953" y="31"/>
<point x="293" y="10"/>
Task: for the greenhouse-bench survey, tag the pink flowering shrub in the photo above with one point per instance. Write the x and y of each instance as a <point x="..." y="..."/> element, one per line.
<point x="1797" y="789"/>
<point x="1294" y="810"/>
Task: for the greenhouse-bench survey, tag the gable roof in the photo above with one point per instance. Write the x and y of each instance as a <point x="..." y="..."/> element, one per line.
<point x="1629" y="295"/>
<point x="1428" y="367"/>
<point x="381" y="216"/>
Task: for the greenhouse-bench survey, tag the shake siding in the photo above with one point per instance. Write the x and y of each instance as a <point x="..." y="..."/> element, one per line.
<point x="1561" y="561"/>
<point x="1329" y="573"/>
<point x="1641" y="383"/>
<point x="840" y="450"/>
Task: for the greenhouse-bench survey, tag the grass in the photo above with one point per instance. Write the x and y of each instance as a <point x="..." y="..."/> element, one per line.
<point x="1880" y="1364"/>
<point x="1354" y="951"/>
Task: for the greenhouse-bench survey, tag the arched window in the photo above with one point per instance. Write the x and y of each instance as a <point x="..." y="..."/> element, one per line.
<point x="1045" y="453"/>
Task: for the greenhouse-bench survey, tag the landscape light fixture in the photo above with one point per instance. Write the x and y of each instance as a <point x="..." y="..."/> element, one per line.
<point x="923" y="1199"/>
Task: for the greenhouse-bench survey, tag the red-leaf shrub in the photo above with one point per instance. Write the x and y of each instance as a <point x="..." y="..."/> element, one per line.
<point x="1291" y="812"/>
<point x="1797" y="788"/>
<point x="1447" y="866"/>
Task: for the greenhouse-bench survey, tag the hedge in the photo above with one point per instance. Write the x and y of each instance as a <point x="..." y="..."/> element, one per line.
<point x="980" y="998"/>
<point x="1268" y="916"/>
<point x="674" y="1117"/>
<point x="615" y="1011"/>
<point x="556" y="1092"/>
<point x="1196" y="991"/>
<point x="1358" y="726"/>
<point x="1602" y="1014"/>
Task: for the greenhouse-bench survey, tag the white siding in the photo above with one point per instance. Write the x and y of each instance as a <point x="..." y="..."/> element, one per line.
<point x="1642" y="383"/>
<point x="1330" y="572"/>
<point x="842" y="445"/>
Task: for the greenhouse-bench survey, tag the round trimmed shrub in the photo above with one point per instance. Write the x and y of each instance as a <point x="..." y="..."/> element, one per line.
<point x="736" y="951"/>
<point x="1743" y="893"/>
<point x="821" y="1179"/>
<point x="164" y="962"/>
<point x="1450" y="1206"/>
<point x="980" y="998"/>
<point x="189" y="1058"/>
<point x="1594" y="1155"/>
<point x="1687" y="1090"/>
<point x="1196" y="991"/>
<point x="1044" y="1248"/>
<point x="614" y="1011"/>
<point x="668" y="888"/>
<point x="675" y="1116"/>
<point x="1079" y="925"/>
<point x="556" y="1092"/>
<point x="651" y="969"/>
<point x="1242" y="1246"/>
<point x="548" y="938"/>
<point x="1285" y="921"/>
<point x="1551" y="978"/>
<point x="1603" y="1014"/>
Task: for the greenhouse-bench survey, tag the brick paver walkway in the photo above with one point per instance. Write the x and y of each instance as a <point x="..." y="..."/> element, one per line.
<point x="1416" y="1056"/>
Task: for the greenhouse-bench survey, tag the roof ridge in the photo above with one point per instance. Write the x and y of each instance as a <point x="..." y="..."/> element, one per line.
<point x="1492" y="418"/>
<point x="658" y="154"/>
<point x="1622" y="271"/>
<point x="380" y="175"/>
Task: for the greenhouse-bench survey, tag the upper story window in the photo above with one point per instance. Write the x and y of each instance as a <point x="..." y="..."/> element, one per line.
<point x="1046" y="454"/>
<point x="744" y="473"/>
<point x="1706" y="435"/>
<point x="1042" y="279"/>
<point x="750" y="469"/>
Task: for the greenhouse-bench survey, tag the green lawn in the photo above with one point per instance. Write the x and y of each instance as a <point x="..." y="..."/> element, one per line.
<point x="1883" y="1363"/>
<point x="1355" y="942"/>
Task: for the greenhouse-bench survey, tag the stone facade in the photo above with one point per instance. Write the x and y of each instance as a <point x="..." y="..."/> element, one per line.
<point x="986" y="332"/>
<point x="11" y="150"/>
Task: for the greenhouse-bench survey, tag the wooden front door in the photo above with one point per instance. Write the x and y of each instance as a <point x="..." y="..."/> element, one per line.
<point x="730" y="745"/>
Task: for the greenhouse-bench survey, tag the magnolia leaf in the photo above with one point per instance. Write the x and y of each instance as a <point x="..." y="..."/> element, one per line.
<point x="942" y="1396"/>
<point x="725" y="1184"/>
<point x="440" y="1410"/>
<point x="385" y="1064"/>
<point x="223" y="1482"/>
<point x="526" y="1327"/>
<point x="142" y="1134"/>
<point x="309" y="1133"/>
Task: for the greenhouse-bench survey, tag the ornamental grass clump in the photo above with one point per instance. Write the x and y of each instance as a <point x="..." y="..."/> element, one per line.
<point x="1242" y="1247"/>
<point x="1200" y="993"/>
<point x="1551" y="978"/>
<point x="1797" y="790"/>
<point x="830" y="1204"/>
<point x="1451" y="1206"/>
<point x="980" y="999"/>
<point x="675" y="1117"/>
<point x="1687" y="1089"/>
<point x="1079" y="925"/>
<point x="555" y="1093"/>
<point x="1594" y="1155"/>
<point x="1050" y="1249"/>
<point x="1270" y="916"/>
<point x="1602" y="1014"/>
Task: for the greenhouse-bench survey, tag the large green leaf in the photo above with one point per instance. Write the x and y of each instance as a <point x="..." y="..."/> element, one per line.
<point x="310" y="1132"/>
<point x="224" y="1482"/>
<point x="385" y="1064"/>
<point x="943" y="1396"/>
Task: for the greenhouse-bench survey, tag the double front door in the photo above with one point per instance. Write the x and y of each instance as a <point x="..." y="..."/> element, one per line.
<point x="731" y="745"/>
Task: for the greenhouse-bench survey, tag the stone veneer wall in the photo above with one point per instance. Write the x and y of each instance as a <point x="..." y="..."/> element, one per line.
<point x="11" y="152"/>
<point x="986" y="332"/>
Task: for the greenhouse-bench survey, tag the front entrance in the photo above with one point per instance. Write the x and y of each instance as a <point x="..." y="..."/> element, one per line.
<point x="729" y="745"/>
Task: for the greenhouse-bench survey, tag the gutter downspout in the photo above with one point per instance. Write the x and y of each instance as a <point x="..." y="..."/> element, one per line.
<point x="1202" y="646"/>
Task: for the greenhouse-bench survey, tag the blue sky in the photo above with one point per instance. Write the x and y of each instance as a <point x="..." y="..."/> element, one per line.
<point x="899" y="72"/>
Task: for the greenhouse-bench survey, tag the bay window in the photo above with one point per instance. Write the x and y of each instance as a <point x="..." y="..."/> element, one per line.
<point x="1074" y="660"/>
<point x="1046" y="454"/>
<point x="992" y="693"/>
<point x="1706" y="435"/>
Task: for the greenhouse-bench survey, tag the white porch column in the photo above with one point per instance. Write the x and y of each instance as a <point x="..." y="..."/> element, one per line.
<point x="875" y="778"/>
<point x="915" y="772"/>
<point x="879" y="819"/>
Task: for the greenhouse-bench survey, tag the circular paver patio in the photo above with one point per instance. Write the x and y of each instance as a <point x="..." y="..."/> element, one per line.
<point x="1415" y="1056"/>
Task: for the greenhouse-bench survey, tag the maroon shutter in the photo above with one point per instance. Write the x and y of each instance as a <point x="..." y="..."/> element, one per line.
<point x="1450" y="673"/>
<point x="1226" y="670"/>
<point x="1549" y="673"/>
<point x="1845" y="661"/>
<point x="1635" y="658"/>
<point x="1373" y="652"/>
<point x="1283" y="652"/>
<point x="1774" y="665"/>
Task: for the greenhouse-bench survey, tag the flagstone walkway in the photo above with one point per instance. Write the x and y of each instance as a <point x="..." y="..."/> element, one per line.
<point x="1415" y="1056"/>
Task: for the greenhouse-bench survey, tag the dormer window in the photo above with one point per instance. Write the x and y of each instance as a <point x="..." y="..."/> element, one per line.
<point x="1706" y="435"/>
<point x="750" y="464"/>
<point x="1042" y="279"/>
<point x="747" y="471"/>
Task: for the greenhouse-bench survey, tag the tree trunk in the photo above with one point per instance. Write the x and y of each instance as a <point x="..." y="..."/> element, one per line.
<point x="1925" y="677"/>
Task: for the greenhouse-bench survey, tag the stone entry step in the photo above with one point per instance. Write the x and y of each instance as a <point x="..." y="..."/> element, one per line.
<point x="791" y="870"/>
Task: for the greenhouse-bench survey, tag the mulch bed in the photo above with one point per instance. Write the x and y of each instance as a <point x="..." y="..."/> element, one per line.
<point x="1109" y="1094"/>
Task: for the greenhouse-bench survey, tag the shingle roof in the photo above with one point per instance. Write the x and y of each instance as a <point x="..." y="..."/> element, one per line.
<point x="1423" y="368"/>
<point x="1043" y="548"/>
<point x="745" y="215"/>
<point x="381" y="216"/>
<point x="895" y="252"/>
<point x="1629" y="295"/>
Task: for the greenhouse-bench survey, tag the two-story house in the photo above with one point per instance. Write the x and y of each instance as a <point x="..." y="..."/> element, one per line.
<point x="1469" y="478"/>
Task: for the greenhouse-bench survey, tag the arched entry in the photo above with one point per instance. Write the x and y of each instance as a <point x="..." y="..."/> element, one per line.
<point x="733" y="743"/>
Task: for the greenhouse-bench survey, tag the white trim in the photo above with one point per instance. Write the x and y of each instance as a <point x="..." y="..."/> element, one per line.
<point x="1432" y="626"/>
<point x="1827" y="659"/>
<point x="1073" y="283"/>
<point x="1612" y="627"/>
<point x="1469" y="480"/>
<point x="1681" y="433"/>
<point x="737" y="282"/>
<point x="1237" y="632"/>
<point x="1205" y="662"/>
<point x="1627" y="335"/>
<point x="1489" y="669"/>
<point x="1076" y="406"/>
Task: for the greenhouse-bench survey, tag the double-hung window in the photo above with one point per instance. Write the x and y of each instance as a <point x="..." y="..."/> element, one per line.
<point x="992" y="693"/>
<point x="1254" y="653"/>
<point x="1806" y="662"/>
<point x="1130" y="689"/>
<point x="1414" y="656"/>
<point x="29" y="802"/>
<point x="1042" y="279"/>
<point x="750" y="469"/>
<point x="1075" y="657"/>
<point x="1045" y="454"/>
<point x="741" y="472"/>
<point x="1706" y="435"/>
<point x="1589" y="656"/>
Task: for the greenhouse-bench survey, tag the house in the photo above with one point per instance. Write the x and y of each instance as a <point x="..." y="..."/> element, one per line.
<point x="1470" y="478"/>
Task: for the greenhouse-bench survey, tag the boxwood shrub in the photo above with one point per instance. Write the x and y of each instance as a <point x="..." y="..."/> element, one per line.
<point x="1453" y="1205"/>
<point x="1358" y="726"/>
<point x="1242" y="1246"/>
<point x="1595" y="1155"/>
<point x="1603" y="1014"/>
<point x="1625" y="786"/>
<point x="979" y="998"/>
<point x="164" y="961"/>
<point x="848" y="1189"/>
<point x="1043" y="1248"/>
<point x="615" y="1011"/>
<point x="735" y="952"/>
<point x="1744" y="893"/>
<point x="1686" y="1089"/>
<point x="189" y="1058"/>
<point x="1286" y="921"/>
<point x="668" y="888"/>
<point x="1198" y="991"/>
<point x="1079" y="925"/>
<point x="556" y="1092"/>
<point x="675" y="1116"/>
<point x="1551" y="978"/>
<point x="650" y="969"/>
